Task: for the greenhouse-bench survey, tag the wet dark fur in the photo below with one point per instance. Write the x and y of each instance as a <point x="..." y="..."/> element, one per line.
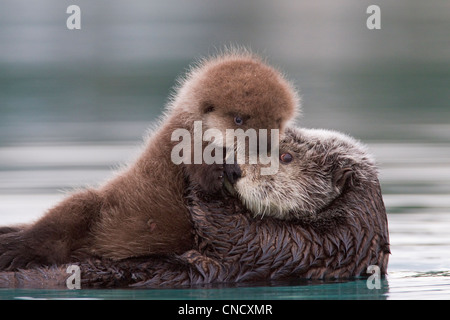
<point x="232" y="246"/>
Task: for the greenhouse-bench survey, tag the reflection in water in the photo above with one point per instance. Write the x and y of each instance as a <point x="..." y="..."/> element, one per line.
<point x="356" y="289"/>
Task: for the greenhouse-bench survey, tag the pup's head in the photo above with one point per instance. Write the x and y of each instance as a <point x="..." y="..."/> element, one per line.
<point x="237" y="90"/>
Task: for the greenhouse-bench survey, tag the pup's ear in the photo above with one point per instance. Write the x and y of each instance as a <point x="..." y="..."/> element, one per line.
<point x="341" y="177"/>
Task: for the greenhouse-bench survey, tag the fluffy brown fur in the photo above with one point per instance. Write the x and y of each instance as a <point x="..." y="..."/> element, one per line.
<point x="142" y="210"/>
<point x="335" y="240"/>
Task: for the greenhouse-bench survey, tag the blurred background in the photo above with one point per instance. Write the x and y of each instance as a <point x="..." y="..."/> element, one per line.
<point x="74" y="104"/>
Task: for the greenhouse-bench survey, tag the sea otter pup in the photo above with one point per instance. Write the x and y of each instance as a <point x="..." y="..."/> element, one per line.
<point x="334" y="225"/>
<point x="142" y="210"/>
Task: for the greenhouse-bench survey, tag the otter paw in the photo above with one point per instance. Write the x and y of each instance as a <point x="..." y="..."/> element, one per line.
<point x="213" y="178"/>
<point x="208" y="267"/>
<point x="210" y="177"/>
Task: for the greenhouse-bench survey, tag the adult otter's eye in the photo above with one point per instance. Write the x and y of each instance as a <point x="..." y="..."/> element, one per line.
<point x="238" y="120"/>
<point x="286" y="158"/>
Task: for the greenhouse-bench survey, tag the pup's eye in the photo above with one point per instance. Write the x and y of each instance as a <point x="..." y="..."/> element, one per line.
<point x="286" y="158"/>
<point x="208" y="108"/>
<point x="238" y="120"/>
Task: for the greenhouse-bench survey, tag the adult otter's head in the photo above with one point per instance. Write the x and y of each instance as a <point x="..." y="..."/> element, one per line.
<point x="236" y="90"/>
<point x="316" y="166"/>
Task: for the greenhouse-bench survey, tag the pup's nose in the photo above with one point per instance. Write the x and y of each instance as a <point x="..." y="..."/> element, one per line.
<point x="233" y="172"/>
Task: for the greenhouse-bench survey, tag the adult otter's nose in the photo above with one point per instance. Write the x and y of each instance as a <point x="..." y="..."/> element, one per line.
<point x="233" y="172"/>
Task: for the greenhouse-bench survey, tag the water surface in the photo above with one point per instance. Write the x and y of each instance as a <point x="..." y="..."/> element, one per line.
<point x="74" y="106"/>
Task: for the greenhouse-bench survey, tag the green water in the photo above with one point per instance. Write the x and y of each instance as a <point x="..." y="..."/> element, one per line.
<point x="344" y="290"/>
<point x="75" y="105"/>
<point x="398" y="285"/>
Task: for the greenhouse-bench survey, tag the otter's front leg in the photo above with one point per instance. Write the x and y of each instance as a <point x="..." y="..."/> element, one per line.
<point x="209" y="270"/>
<point x="190" y="268"/>
<point x="56" y="238"/>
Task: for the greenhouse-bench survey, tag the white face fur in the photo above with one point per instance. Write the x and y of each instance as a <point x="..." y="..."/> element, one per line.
<point x="314" y="167"/>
